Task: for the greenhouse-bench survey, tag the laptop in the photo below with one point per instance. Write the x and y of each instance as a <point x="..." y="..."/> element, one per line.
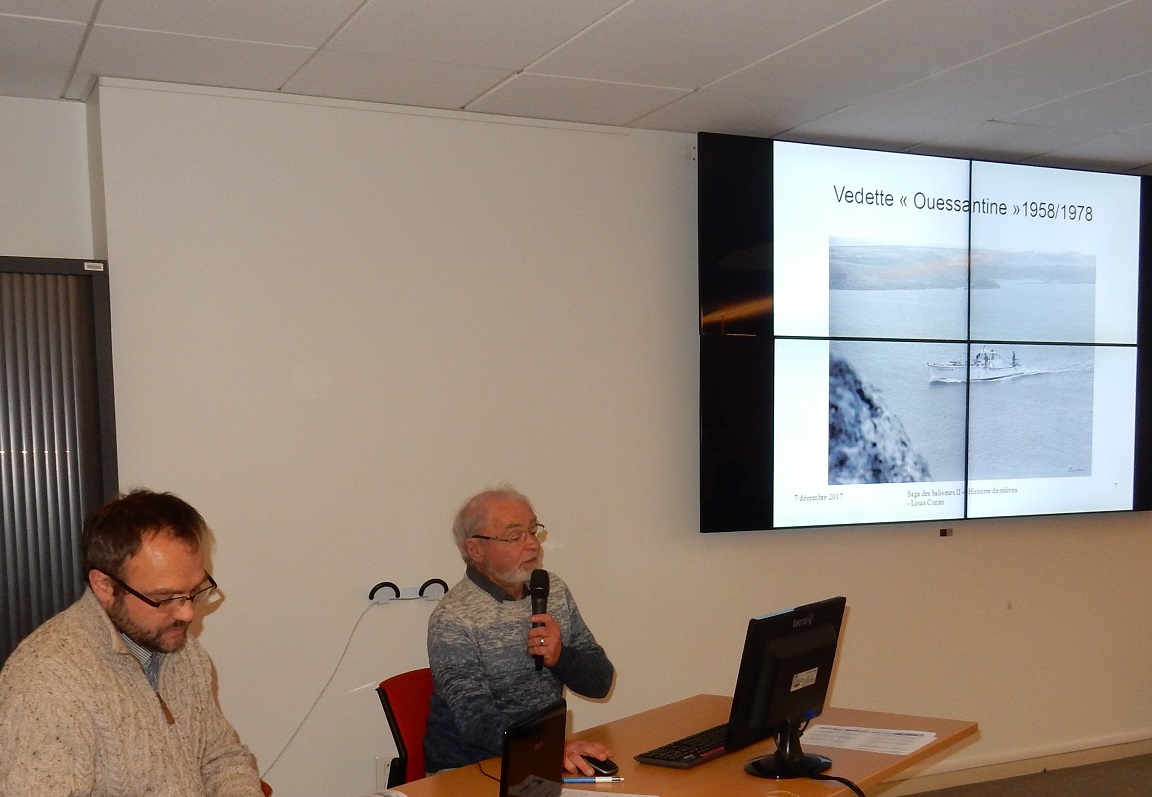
<point x="533" y="761"/>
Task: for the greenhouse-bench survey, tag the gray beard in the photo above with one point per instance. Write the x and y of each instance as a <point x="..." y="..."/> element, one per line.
<point x="520" y="576"/>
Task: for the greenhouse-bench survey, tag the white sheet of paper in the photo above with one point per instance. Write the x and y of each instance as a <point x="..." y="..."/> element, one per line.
<point x="873" y="740"/>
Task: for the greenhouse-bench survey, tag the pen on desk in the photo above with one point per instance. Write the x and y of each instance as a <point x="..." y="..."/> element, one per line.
<point x="594" y="780"/>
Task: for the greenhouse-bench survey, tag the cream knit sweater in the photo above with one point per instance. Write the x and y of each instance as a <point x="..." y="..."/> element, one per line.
<point x="78" y="717"/>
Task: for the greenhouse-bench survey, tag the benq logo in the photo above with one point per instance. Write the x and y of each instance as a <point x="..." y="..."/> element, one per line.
<point x="803" y="621"/>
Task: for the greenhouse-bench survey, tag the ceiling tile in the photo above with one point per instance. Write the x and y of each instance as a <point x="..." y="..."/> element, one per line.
<point x="145" y="55"/>
<point x="1108" y="152"/>
<point x="306" y="23"/>
<point x="36" y="56"/>
<point x="1001" y="141"/>
<point x="566" y="99"/>
<point x="70" y="10"/>
<point x="1008" y="80"/>
<point x="497" y="33"/>
<point x="896" y="44"/>
<point x="711" y="111"/>
<point x="1113" y="108"/>
<point x="861" y="126"/>
<point x="688" y="43"/>
<point x="1100" y="49"/>
<point x="402" y="81"/>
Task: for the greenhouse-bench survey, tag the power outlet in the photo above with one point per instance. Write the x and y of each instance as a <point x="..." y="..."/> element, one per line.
<point x="433" y="589"/>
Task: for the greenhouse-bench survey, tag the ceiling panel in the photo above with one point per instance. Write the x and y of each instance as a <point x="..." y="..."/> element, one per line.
<point x="176" y="58"/>
<point x="892" y="46"/>
<point x="1101" y="49"/>
<point x="861" y="126"/>
<point x="1113" y="108"/>
<point x="306" y="23"/>
<point x="36" y="55"/>
<point x="392" y="79"/>
<point x="72" y="10"/>
<point x="1108" y="152"/>
<point x="1021" y="79"/>
<point x="735" y="114"/>
<point x="1003" y="141"/>
<point x="494" y="33"/>
<point x="687" y="43"/>
<point x="570" y="100"/>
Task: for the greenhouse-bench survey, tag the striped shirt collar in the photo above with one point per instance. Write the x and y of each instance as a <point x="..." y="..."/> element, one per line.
<point x="149" y="659"/>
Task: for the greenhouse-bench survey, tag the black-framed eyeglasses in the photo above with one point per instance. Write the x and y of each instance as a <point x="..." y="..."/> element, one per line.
<point x="536" y="531"/>
<point x="176" y="602"/>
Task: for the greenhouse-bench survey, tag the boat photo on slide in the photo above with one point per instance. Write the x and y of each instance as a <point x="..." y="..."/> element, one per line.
<point x="986" y="365"/>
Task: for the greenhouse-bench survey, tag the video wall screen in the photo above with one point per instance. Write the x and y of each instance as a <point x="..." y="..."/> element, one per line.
<point x="889" y="337"/>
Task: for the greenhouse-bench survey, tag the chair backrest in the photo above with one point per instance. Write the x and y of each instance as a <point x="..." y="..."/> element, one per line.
<point x="405" y="698"/>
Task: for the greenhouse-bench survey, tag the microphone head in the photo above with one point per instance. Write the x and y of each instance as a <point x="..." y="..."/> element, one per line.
<point x="538" y="585"/>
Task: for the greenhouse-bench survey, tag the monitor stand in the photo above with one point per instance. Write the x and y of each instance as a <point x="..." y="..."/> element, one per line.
<point x="789" y="760"/>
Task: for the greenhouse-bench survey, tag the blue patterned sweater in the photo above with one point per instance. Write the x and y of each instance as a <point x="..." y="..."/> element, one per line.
<point x="483" y="676"/>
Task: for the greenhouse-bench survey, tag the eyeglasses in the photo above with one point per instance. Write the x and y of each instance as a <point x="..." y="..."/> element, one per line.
<point x="176" y="602"/>
<point x="536" y="531"/>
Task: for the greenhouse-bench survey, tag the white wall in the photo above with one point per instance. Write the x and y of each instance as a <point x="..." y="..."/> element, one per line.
<point x="45" y="209"/>
<point x="333" y="321"/>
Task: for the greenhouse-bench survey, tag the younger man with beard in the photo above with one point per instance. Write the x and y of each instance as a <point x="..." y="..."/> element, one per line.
<point x="112" y="696"/>
<point x="481" y="640"/>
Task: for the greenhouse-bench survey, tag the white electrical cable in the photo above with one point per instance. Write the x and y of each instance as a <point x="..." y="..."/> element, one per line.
<point x="307" y="714"/>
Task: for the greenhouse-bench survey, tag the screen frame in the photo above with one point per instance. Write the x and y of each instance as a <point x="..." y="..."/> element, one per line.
<point x="532" y="757"/>
<point x="767" y="696"/>
<point x="736" y="242"/>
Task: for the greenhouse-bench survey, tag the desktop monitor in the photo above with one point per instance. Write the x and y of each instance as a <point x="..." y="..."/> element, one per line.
<point x="785" y="671"/>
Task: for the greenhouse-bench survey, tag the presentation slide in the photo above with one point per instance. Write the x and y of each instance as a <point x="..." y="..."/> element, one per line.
<point x="971" y="328"/>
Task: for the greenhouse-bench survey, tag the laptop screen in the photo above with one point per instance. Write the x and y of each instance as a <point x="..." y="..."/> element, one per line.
<point x="533" y="760"/>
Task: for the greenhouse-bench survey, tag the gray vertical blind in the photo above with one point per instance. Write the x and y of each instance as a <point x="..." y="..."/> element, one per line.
<point x="53" y="469"/>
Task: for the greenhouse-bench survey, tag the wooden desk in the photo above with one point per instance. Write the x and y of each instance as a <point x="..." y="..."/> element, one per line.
<point x="722" y="776"/>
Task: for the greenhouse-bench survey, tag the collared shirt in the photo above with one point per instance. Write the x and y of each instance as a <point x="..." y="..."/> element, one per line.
<point x="149" y="660"/>
<point x="490" y="586"/>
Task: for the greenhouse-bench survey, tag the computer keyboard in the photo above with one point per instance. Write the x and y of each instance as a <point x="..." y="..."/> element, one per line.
<point x="689" y="751"/>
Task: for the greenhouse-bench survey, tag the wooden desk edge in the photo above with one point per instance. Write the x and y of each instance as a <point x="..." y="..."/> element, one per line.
<point x="948" y="732"/>
<point x="647" y="729"/>
<point x="702" y="711"/>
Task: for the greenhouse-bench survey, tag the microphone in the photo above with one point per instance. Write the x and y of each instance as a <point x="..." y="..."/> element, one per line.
<point x="538" y="587"/>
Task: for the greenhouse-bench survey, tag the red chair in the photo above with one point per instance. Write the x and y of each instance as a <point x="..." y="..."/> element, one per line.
<point x="405" y="698"/>
<point x="264" y="787"/>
